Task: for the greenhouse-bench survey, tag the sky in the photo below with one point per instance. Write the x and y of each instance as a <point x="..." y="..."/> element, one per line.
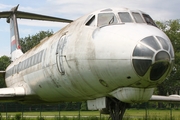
<point x="72" y="9"/>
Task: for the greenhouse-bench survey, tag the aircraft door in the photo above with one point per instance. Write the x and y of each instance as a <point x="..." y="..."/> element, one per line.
<point x="60" y="56"/>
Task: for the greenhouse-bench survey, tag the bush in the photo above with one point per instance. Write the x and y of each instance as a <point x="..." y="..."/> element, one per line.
<point x="18" y="117"/>
<point x="40" y="118"/>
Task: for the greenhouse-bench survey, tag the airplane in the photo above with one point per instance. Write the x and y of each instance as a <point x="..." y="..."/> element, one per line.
<point x="110" y="58"/>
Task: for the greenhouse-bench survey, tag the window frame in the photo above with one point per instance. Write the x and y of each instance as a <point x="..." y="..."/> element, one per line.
<point x="149" y="23"/>
<point x="131" y="17"/>
<point x="135" y="20"/>
<point x="91" y="19"/>
<point x="114" y="15"/>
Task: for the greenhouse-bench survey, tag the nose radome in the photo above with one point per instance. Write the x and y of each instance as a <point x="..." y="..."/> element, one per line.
<point x="153" y="56"/>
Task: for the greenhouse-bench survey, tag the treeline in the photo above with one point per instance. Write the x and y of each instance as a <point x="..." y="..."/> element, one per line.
<point x="76" y="106"/>
<point x="66" y="106"/>
<point x="29" y="42"/>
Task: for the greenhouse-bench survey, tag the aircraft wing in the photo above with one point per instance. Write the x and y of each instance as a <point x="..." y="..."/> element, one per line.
<point x="11" y="94"/>
<point x="33" y="16"/>
<point x="170" y="98"/>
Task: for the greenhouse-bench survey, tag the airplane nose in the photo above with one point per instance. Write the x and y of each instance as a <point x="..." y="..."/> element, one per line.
<point x="162" y="60"/>
<point x="153" y="56"/>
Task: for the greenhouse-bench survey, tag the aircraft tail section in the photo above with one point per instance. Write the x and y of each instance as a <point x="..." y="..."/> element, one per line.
<point x="16" y="51"/>
<point x="12" y="16"/>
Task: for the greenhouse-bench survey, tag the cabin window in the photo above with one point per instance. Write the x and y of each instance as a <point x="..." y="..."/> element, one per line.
<point x="125" y="17"/>
<point x="137" y="17"/>
<point x="29" y="62"/>
<point x="19" y="66"/>
<point x="22" y="65"/>
<point x="106" y="19"/>
<point x="33" y="60"/>
<point x="13" y="70"/>
<point x="39" y="56"/>
<point x="25" y="64"/>
<point x="149" y="20"/>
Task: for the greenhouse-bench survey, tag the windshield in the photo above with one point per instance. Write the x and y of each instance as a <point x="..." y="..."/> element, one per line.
<point x="137" y="17"/>
<point x="106" y="19"/>
<point x="149" y="20"/>
<point x="125" y="17"/>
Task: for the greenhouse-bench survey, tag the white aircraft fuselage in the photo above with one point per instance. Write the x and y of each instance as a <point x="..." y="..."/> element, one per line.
<point x="88" y="60"/>
<point x="109" y="58"/>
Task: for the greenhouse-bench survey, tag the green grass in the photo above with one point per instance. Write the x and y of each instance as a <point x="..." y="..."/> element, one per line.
<point x="56" y="113"/>
<point x="152" y="112"/>
<point x="131" y="114"/>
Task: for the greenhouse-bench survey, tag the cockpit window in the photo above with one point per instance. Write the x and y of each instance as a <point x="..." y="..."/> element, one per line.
<point x="125" y="17"/>
<point x="91" y="22"/>
<point x="137" y="17"/>
<point x="106" y="19"/>
<point x="149" y="20"/>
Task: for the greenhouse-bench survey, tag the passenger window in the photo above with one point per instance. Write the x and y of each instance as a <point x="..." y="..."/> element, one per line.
<point x="106" y="19"/>
<point x="149" y="20"/>
<point x="91" y="22"/>
<point x="137" y="17"/>
<point x="19" y="66"/>
<point x="125" y="17"/>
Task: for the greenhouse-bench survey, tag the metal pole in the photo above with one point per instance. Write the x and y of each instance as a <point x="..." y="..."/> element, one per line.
<point x="146" y="111"/>
<point x="40" y="111"/>
<point x="146" y="114"/>
<point x="79" y="110"/>
<point x="59" y="112"/>
<point x="171" y="112"/>
<point x="6" y="111"/>
<point x="22" y="111"/>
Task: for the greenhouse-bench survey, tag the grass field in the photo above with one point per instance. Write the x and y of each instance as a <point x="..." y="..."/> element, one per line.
<point x="154" y="114"/>
<point x="131" y="114"/>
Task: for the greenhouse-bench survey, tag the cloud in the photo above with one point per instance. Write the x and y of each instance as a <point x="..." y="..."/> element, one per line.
<point x="5" y="50"/>
<point x="31" y="27"/>
<point x="4" y="6"/>
<point x="156" y="8"/>
<point x="41" y="23"/>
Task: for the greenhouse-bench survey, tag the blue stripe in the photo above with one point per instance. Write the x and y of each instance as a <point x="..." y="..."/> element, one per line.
<point x="13" y="48"/>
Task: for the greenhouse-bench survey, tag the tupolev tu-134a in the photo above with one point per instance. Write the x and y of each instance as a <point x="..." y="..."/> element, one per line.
<point x="110" y="58"/>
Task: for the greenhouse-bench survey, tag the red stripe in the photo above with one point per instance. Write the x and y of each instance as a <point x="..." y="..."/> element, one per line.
<point x="19" y="47"/>
<point x="13" y="42"/>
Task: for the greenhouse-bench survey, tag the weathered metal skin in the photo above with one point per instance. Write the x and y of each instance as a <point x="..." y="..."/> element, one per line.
<point x="83" y="62"/>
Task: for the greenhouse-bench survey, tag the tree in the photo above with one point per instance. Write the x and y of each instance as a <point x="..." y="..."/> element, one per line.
<point x="29" y="42"/>
<point x="172" y="30"/>
<point x="4" y="62"/>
